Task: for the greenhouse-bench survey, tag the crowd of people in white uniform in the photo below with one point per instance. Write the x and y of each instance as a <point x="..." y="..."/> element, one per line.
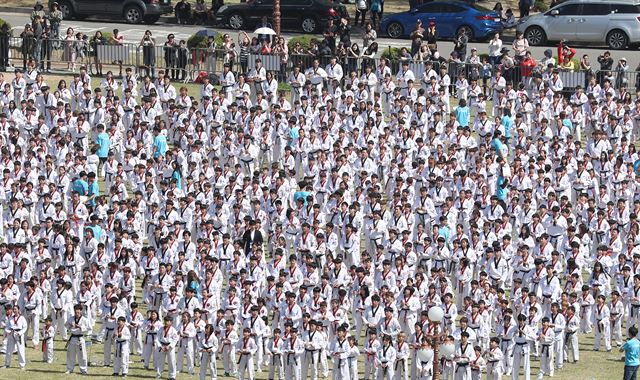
<point x="308" y="233"/>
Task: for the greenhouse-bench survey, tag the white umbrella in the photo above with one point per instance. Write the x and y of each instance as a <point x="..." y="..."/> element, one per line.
<point x="265" y="30"/>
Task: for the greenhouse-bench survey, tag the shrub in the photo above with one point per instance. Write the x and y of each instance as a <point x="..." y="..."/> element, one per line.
<point x="2" y="22"/>
<point x="107" y="36"/>
<point x="541" y="6"/>
<point x="196" y="41"/>
<point x="305" y="42"/>
<point x="391" y="53"/>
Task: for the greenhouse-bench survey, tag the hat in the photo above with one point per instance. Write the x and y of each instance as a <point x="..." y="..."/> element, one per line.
<point x="504" y="50"/>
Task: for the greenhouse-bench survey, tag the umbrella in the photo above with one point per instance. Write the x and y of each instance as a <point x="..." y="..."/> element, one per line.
<point x="265" y="30"/>
<point x="206" y="33"/>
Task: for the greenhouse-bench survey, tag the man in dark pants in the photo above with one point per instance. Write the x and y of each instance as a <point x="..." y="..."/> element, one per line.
<point x="524" y="6"/>
<point x="631" y="351"/>
<point x="5" y="35"/>
<point x="170" y="56"/>
<point x="45" y="50"/>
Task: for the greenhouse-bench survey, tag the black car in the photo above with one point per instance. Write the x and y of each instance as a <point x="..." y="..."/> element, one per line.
<point x="132" y="11"/>
<point x="305" y="15"/>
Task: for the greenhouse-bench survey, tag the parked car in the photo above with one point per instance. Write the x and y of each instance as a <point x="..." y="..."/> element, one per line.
<point x="309" y="16"/>
<point x="132" y="11"/>
<point x="612" y="23"/>
<point x="451" y="17"/>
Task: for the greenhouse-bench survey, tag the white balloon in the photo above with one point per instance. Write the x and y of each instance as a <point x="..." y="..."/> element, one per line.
<point x="447" y="350"/>
<point x="424" y="355"/>
<point x="436" y="314"/>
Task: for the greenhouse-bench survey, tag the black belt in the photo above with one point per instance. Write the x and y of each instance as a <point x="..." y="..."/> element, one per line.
<point x="77" y="336"/>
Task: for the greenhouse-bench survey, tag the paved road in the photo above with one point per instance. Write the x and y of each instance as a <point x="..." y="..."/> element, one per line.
<point x="133" y="34"/>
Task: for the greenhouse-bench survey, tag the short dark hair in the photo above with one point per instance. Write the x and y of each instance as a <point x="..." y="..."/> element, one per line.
<point x="633" y="331"/>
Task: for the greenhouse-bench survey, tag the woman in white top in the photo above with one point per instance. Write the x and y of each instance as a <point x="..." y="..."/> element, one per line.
<point x="495" y="45"/>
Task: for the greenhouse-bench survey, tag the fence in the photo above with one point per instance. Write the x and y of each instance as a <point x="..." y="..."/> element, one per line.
<point x="186" y="64"/>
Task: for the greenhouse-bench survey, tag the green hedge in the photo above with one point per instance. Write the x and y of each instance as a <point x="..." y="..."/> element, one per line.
<point x="195" y="41"/>
<point x="305" y="42"/>
<point x="391" y="53"/>
<point x="541" y="6"/>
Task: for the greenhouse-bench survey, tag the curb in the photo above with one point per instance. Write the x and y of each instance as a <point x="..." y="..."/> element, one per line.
<point x="23" y="10"/>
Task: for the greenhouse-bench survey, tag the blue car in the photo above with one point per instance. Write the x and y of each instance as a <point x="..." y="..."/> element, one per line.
<point x="452" y="18"/>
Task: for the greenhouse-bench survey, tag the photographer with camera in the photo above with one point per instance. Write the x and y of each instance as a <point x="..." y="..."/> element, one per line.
<point x="148" y="45"/>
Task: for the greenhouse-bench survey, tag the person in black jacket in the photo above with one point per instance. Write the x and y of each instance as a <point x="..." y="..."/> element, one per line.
<point x="251" y="237"/>
<point x="170" y="55"/>
<point x="5" y="36"/>
<point x="182" y="60"/>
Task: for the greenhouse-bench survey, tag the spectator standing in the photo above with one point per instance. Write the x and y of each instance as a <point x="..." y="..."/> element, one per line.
<point x="5" y="36"/>
<point x="38" y="11"/>
<point x="344" y="32"/>
<point x="565" y="52"/>
<point x="170" y="55"/>
<point x="244" y="43"/>
<point x="432" y="37"/>
<point x="117" y="39"/>
<point x="376" y="13"/>
<point x="38" y="30"/>
<point x="416" y="38"/>
<point x="68" y="52"/>
<point x="211" y="54"/>
<point x="361" y="11"/>
<point x="520" y="47"/>
<point x="631" y="350"/>
<point x="370" y="35"/>
<point x="524" y="6"/>
<point x="498" y="8"/>
<point x="28" y="42"/>
<point x="495" y="46"/>
<point x="585" y="65"/>
<point x="264" y="23"/>
<point x="46" y="49"/>
<point x="98" y="39"/>
<point x="460" y="46"/>
<point x="55" y="18"/>
<point x="148" y="45"/>
<point x="182" y="59"/>
<point x="621" y="72"/>
<point x="606" y="63"/>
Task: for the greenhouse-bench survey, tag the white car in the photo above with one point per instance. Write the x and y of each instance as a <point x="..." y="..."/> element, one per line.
<point x="613" y="23"/>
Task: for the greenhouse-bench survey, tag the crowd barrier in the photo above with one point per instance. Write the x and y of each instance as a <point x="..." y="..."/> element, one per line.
<point x="187" y="64"/>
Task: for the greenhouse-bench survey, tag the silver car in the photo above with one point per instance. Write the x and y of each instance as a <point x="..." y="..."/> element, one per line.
<point x="611" y="23"/>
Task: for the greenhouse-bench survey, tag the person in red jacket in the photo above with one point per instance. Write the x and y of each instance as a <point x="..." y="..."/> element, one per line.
<point x="565" y="52"/>
<point x="527" y="65"/>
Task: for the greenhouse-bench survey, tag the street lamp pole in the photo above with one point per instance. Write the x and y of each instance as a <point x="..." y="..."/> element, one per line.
<point x="436" y="361"/>
<point x="436" y="316"/>
<point x="276" y="17"/>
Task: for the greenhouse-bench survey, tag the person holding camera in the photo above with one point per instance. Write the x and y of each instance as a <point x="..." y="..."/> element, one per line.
<point x="148" y="45"/>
